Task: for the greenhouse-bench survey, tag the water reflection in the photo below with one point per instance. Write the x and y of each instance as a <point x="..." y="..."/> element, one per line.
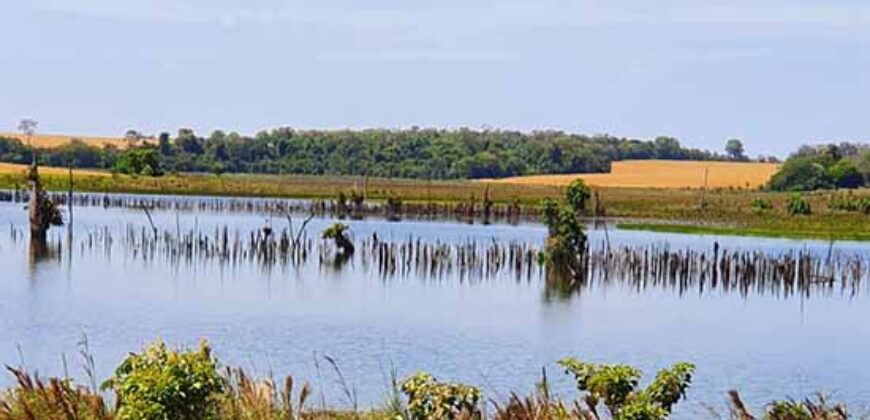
<point x="40" y="252"/>
<point x="467" y="302"/>
<point x="783" y="273"/>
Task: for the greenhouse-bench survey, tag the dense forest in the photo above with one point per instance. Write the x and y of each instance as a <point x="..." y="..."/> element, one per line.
<point x="412" y="153"/>
<point x="827" y="166"/>
<point x="427" y="154"/>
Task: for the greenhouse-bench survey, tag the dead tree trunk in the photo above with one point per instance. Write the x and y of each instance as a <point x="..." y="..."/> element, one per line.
<point x="42" y="211"/>
<point x="38" y="229"/>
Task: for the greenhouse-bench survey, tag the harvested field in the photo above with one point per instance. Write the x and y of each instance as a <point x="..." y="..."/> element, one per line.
<point x="47" y="141"/>
<point x="663" y="174"/>
<point x="14" y="168"/>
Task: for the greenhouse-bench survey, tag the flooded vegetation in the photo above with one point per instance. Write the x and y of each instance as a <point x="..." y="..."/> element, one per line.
<point x="787" y="273"/>
<point x="281" y="285"/>
<point x="344" y="206"/>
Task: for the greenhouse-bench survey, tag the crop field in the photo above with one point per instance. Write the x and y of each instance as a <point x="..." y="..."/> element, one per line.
<point x="663" y="174"/>
<point x="46" y="141"/>
<point x="18" y="169"/>
<point x="715" y="210"/>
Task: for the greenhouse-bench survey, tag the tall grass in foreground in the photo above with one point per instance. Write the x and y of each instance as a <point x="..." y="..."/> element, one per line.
<point x="160" y="384"/>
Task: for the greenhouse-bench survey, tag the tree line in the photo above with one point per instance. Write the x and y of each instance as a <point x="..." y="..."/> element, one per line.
<point x="826" y="166"/>
<point x="410" y="153"/>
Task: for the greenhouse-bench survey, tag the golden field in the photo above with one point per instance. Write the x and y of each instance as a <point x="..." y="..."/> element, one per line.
<point x="663" y="174"/>
<point x="14" y="168"/>
<point x="46" y="141"/>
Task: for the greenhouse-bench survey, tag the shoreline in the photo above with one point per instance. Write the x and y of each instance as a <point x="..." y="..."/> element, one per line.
<point x="690" y="211"/>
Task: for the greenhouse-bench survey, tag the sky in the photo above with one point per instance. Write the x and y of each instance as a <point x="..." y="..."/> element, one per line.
<point x="774" y="73"/>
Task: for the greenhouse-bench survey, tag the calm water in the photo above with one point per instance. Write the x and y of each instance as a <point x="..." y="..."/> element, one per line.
<point x="496" y="333"/>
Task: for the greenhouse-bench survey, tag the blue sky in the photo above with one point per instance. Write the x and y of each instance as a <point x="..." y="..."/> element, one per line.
<point x="775" y="73"/>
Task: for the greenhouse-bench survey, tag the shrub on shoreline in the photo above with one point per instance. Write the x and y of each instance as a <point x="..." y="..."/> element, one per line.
<point x="160" y="384"/>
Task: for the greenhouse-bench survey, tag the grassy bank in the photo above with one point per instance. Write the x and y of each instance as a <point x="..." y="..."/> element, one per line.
<point x="719" y="211"/>
<point x="785" y="232"/>
<point x="290" y="186"/>
<point x="163" y="383"/>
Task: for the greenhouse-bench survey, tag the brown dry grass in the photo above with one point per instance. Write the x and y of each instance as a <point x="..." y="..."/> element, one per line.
<point x="14" y="168"/>
<point x="663" y="174"/>
<point x="47" y="141"/>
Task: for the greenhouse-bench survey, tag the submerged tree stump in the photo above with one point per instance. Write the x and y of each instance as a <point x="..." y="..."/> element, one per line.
<point x="42" y="210"/>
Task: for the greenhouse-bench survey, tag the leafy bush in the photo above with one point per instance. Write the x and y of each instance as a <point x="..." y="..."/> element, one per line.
<point x="577" y="194"/>
<point x="550" y="214"/>
<point x="801" y="174"/>
<point x="798" y="205"/>
<point x="824" y="167"/>
<point x="616" y="386"/>
<point x="846" y="175"/>
<point x="337" y="232"/>
<point x="430" y="399"/>
<point x="849" y="203"/>
<point x="566" y="246"/>
<point x="565" y="252"/>
<point x="144" y="160"/>
<point x="165" y="384"/>
<point x="761" y="205"/>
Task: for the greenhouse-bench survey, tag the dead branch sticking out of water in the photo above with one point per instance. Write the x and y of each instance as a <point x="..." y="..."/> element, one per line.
<point x="783" y="273"/>
<point x="354" y="207"/>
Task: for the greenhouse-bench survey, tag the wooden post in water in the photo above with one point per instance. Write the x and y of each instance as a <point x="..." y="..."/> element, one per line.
<point x="39" y="221"/>
<point x="69" y="199"/>
<point x="35" y="207"/>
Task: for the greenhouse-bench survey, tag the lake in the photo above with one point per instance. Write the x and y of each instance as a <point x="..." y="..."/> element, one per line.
<point x="495" y="332"/>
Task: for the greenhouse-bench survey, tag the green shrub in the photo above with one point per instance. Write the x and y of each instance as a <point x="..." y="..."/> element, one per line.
<point x="160" y="383"/>
<point x="798" y="205"/>
<point x="846" y="175"/>
<point x="134" y="161"/>
<point x="577" y="194"/>
<point x="550" y="214"/>
<point x="430" y="399"/>
<point x="801" y="174"/>
<point x="761" y="205"/>
<point x="564" y="254"/>
<point x="616" y="386"/>
<point x="338" y="233"/>
<point x="849" y="203"/>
